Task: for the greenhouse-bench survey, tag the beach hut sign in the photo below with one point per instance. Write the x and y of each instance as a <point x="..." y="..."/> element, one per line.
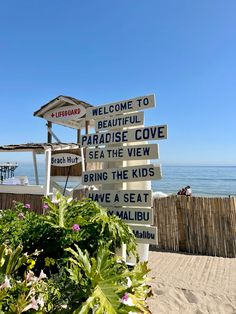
<point x="65" y="160"/>
<point x="124" y="174"/>
<point x="72" y="112"/>
<point x="120" y="107"/>
<point x="134" y="152"/>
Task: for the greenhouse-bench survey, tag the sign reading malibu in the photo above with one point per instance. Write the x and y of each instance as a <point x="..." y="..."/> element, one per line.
<point x="124" y="137"/>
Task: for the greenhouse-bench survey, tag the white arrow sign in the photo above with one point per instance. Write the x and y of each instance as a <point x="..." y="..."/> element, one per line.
<point x="119" y="175"/>
<point x="150" y="133"/>
<point x="134" y="152"/>
<point x="119" y="107"/>
<point x="136" y="198"/>
<point x="120" y="121"/>
<point x="133" y="215"/>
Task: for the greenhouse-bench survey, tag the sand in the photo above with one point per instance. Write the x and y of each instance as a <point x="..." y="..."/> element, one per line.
<point x="192" y="284"/>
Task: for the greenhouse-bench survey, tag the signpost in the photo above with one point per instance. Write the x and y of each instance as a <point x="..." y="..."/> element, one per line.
<point x="121" y="137"/>
<point x="120" y="107"/>
<point x="135" y="152"/>
<point x="125" y="174"/>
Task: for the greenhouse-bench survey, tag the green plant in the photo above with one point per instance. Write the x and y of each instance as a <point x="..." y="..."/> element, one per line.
<point x="103" y="282"/>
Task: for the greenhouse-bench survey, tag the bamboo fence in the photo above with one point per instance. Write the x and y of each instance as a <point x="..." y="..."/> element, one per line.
<point x="198" y="225"/>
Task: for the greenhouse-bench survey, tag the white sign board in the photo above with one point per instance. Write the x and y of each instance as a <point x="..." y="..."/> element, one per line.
<point x="119" y="107"/>
<point x="133" y="215"/>
<point x="136" y="198"/>
<point x="145" y="234"/>
<point x="65" y="159"/>
<point x="124" y="174"/>
<point x="120" y="121"/>
<point x="72" y="112"/>
<point x="134" y="152"/>
<point x="151" y="133"/>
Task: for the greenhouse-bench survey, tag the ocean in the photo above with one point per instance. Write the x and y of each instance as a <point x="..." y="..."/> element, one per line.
<point x="204" y="180"/>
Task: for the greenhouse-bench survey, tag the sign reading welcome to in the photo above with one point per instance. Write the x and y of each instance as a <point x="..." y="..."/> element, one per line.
<point x="120" y="107"/>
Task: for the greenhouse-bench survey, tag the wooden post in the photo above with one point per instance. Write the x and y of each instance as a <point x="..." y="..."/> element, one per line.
<point x="49" y="125"/>
<point x="48" y="172"/>
<point x="35" y="169"/>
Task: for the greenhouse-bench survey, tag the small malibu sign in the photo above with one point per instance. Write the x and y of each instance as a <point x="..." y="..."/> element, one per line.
<point x="65" y="160"/>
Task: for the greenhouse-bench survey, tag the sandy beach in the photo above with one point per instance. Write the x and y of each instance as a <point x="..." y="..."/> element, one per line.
<point x="183" y="283"/>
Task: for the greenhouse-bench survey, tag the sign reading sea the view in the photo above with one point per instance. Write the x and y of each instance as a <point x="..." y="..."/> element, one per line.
<point x="65" y="160"/>
<point x="134" y="152"/>
<point x="120" y="129"/>
<point x="65" y="113"/>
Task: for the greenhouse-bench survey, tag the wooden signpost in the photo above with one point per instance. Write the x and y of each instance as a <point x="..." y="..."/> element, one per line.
<point x="121" y="137"/>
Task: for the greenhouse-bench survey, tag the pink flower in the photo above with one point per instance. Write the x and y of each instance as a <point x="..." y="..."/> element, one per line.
<point x="6" y="284"/>
<point x="45" y="206"/>
<point x="125" y="297"/>
<point x="21" y="216"/>
<point x="27" y="206"/>
<point x="33" y="305"/>
<point x="42" y="275"/>
<point x="75" y="227"/>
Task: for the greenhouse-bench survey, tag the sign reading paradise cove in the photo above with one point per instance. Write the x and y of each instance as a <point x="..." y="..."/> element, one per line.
<point x="121" y="124"/>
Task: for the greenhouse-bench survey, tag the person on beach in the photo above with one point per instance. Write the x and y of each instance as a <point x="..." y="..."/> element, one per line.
<point x="188" y="191"/>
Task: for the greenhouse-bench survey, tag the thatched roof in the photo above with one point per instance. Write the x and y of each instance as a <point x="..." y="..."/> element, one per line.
<point x="37" y="147"/>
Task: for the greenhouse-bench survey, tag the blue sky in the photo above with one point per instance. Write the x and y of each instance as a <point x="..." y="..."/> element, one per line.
<point x="104" y="51"/>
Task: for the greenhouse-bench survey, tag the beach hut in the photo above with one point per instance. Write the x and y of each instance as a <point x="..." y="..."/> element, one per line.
<point x="64" y="162"/>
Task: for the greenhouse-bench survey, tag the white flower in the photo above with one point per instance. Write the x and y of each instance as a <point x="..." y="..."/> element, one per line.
<point x="129" y="282"/>
<point x="40" y="302"/>
<point x="30" y="276"/>
<point x="6" y="283"/>
<point x="126" y="299"/>
<point x="33" y="305"/>
<point x="42" y="275"/>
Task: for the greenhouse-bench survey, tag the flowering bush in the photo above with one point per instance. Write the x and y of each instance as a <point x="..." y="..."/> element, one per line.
<point x="66" y="261"/>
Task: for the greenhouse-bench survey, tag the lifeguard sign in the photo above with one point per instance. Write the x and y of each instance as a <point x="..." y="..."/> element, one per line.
<point x="67" y="166"/>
